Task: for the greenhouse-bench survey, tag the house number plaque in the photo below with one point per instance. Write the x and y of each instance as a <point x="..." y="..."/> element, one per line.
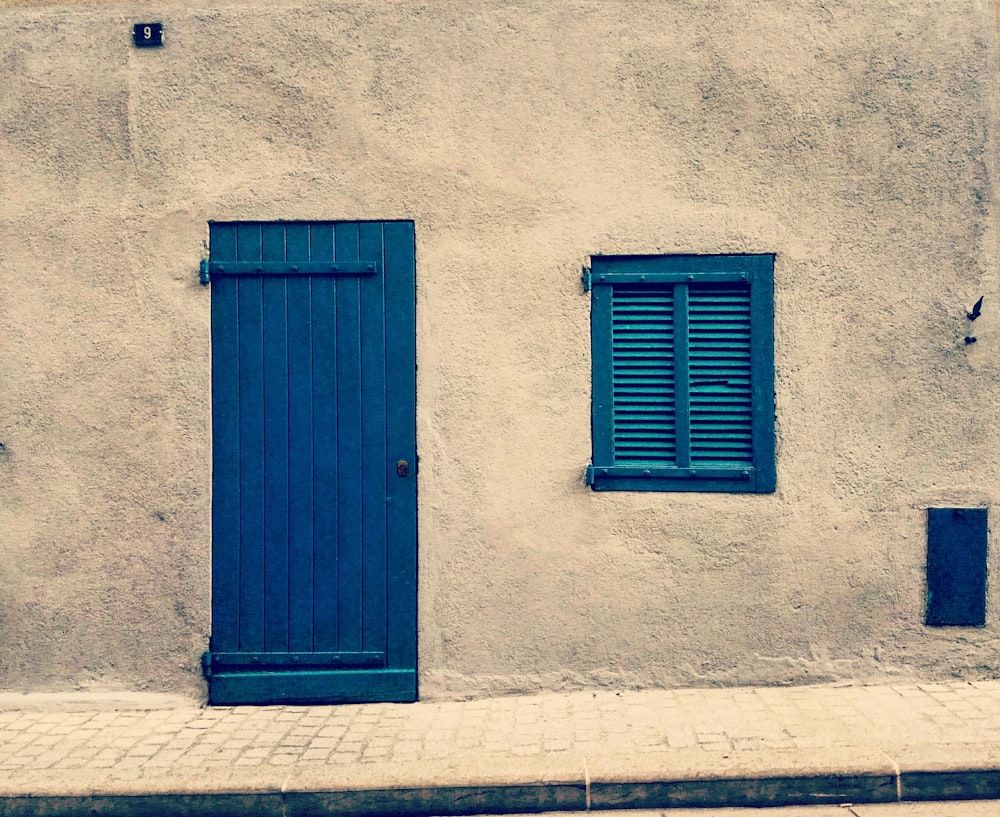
<point x="145" y="35"/>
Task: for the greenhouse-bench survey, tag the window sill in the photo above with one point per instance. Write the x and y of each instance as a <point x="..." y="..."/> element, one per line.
<point x="667" y="478"/>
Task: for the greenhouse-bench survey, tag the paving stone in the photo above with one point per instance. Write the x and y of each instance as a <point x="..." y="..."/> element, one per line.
<point x="186" y="760"/>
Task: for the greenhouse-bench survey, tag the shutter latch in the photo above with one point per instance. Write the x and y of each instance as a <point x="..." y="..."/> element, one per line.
<point x="586" y="279"/>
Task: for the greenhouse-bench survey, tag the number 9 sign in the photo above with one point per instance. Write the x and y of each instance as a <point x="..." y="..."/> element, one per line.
<point x="145" y="35"/>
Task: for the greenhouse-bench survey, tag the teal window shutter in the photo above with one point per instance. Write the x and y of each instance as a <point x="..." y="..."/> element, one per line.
<point x="683" y="377"/>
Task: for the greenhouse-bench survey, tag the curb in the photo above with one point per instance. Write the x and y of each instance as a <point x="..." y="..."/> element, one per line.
<point x="605" y="789"/>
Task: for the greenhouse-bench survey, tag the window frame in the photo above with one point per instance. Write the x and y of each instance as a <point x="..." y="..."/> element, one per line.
<point x="756" y="270"/>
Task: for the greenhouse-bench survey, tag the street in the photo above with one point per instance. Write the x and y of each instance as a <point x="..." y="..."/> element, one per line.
<point x="955" y="808"/>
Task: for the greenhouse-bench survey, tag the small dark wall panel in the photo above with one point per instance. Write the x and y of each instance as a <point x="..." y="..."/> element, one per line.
<point x="956" y="566"/>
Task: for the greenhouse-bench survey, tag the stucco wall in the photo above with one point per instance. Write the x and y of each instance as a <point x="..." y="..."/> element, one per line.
<point x="853" y="139"/>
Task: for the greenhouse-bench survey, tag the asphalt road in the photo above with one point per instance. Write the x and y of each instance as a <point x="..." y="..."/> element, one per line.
<point x="954" y="808"/>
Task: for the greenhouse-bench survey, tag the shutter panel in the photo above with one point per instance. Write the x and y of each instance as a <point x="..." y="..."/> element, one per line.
<point x="720" y="374"/>
<point x="642" y="371"/>
<point x="683" y="381"/>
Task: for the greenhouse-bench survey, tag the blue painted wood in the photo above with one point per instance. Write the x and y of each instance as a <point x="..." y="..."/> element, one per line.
<point x="722" y="351"/>
<point x="762" y="363"/>
<point x="956" y="566"/>
<point x="349" y="464"/>
<point x="326" y="504"/>
<point x="644" y="393"/>
<point x="225" y="449"/>
<point x="374" y="468"/>
<point x="291" y="269"/>
<point x="251" y="430"/>
<point x="668" y="479"/>
<point x="602" y="358"/>
<point x="313" y="687"/>
<point x="300" y="444"/>
<point x="671" y="268"/>
<point x="682" y="377"/>
<point x="317" y="374"/>
<point x="283" y="660"/>
<point x="401" y="391"/>
<point x="721" y="374"/>
<point x="276" y="443"/>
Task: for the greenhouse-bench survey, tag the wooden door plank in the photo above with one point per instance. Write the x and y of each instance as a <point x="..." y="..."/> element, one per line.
<point x="313" y="687"/>
<point x="251" y="385"/>
<point x="300" y="445"/>
<point x="349" y="534"/>
<point x="325" y="453"/>
<point x="401" y="533"/>
<point x="276" y="400"/>
<point x="375" y="466"/>
<point x="225" y="450"/>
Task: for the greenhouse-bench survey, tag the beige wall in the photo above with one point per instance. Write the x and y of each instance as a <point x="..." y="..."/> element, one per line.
<point x="854" y="139"/>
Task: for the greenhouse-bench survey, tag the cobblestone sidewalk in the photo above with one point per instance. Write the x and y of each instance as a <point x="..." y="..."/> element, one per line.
<point x="133" y="742"/>
<point x="573" y="750"/>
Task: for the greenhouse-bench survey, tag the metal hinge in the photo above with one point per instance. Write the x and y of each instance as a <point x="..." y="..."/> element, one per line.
<point x="591" y="472"/>
<point x="586" y="279"/>
<point x="203" y="275"/>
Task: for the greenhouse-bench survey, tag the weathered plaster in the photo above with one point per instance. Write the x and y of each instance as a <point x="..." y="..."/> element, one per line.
<point x="855" y="140"/>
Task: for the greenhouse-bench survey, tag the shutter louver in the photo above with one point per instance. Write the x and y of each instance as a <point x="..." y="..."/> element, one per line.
<point x="720" y="375"/>
<point x="643" y="375"/>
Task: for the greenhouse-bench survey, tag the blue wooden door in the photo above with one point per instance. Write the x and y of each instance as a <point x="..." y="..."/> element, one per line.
<point x="314" y="463"/>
